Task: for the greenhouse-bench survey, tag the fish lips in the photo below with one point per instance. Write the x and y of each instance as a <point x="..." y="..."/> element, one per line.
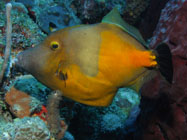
<point x="20" y="64"/>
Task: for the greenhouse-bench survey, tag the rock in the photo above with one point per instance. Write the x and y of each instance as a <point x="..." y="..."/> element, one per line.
<point x="58" y="16"/>
<point x="25" y="32"/>
<point x="134" y="9"/>
<point x="29" y="85"/>
<point x="18" y="102"/>
<point x="149" y="19"/>
<point x="163" y="109"/>
<point x="25" y="96"/>
<point x="114" y="121"/>
<point x="21" y="104"/>
<point x="28" y="128"/>
<point x="27" y="3"/>
<point x="68" y="136"/>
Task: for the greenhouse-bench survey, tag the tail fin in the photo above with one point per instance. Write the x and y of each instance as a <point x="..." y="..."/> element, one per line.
<point x="164" y="60"/>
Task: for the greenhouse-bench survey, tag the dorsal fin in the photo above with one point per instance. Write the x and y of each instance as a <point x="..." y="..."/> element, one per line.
<point x="113" y="17"/>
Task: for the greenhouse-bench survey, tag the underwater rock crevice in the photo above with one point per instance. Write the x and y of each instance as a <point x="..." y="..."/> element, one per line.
<point x="172" y="31"/>
<point x="150" y="18"/>
<point x="33" y="18"/>
<point x="164" y="134"/>
<point x="172" y="43"/>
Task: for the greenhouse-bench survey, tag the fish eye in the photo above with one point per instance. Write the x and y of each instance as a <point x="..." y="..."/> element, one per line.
<point x="54" y="45"/>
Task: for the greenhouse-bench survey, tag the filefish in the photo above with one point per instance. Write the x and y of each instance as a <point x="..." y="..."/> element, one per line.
<point x="89" y="63"/>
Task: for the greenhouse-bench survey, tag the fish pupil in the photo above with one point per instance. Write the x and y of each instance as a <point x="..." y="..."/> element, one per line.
<point x="55" y="46"/>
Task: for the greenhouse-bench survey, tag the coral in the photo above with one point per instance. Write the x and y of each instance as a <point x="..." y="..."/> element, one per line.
<point x="68" y="136"/>
<point x="150" y="17"/>
<point x="163" y="108"/>
<point x="31" y="86"/>
<point x="122" y="112"/>
<point x="133" y="10"/>
<point x="163" y="105"/>
<point x="56" y="126"/>
<point x="25" y="129"/>
<point x="84" y="10"/>
<point x="58" y="12"/>
<point x="25" y="32"/>
<point x="110" y="122"/>
<point x="22" y="104"/>
<point x="27" y="3"/>
<point x="8" y="41"/>
<point x="5" y="115"/>
<point x="2" y="103"/>
<point x="4" y="112"/>
<point x="1" y="63"/>
<point x="92" y="11"/>
<point x="26" y="95"/>
<point x="102" y="1"/>
<point x="119" y="4"/>
<point x="58" y="16"/>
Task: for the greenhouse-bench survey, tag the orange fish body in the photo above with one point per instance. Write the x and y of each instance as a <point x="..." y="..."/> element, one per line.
<point x="88" y="63"/>
<point x="116" y="68"/>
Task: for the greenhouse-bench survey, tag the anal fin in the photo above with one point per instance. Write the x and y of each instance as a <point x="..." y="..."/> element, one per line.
<point x="146" y="76"/>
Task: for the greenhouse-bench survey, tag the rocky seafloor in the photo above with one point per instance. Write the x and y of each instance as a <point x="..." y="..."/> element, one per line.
<point x="158" y="113"/>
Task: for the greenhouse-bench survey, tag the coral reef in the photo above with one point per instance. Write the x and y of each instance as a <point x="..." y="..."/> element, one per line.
<point x="163" y="105"/>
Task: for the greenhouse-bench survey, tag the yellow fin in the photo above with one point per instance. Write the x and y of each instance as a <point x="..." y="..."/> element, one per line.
<point x="113" y="17"/>
<point x="136" y="87"/>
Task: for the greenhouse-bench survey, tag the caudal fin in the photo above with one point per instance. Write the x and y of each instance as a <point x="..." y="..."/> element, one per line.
<point x="164" y="60"/>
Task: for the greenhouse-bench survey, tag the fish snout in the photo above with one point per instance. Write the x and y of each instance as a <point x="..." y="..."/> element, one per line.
<point x="19" y="60"/>
<point x="32" y="60"/>
<point x="25" y="60"/>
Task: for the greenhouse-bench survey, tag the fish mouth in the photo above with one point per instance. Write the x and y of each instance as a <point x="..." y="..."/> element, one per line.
<point x="22" y="61"/>
<point x="19" y="60"/>
<point x="31" y="60"/>
<point x="19" y="63"/>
